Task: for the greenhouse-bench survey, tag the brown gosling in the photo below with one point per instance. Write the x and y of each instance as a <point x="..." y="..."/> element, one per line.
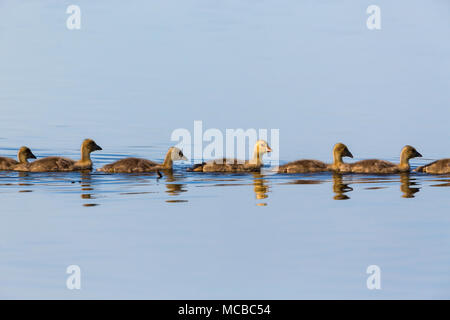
<point x="381" y="166"/>
<point x="340" y="150"/>
<point x="57" y="164"/>
<point x="131" y="165"/>
<point x="234" y="165"/>
<point x="437" y="167"/>
<point x="23" y="155"/>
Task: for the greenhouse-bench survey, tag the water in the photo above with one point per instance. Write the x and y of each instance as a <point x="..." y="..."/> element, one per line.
<point x="136" y="72"/>
<point x="195" y="235"/>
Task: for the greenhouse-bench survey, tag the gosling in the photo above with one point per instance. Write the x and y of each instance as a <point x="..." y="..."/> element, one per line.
<point x="23" y="155"/>
<point x="437" y="167"/>
<point x="233" y="165"/>
<point x="57" y="164"/>
<point x="132" y="165"/>
<point x="386" y="167"/>
<point x="340" y="150"/>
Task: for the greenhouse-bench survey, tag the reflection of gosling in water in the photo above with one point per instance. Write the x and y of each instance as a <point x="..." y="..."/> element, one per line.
<point x="51" y="164"/>
<point x="233" y="165"/>
<point x="173" y="189"/>
<point x="405" y="186"/>
<point x="381" y="166"/>
<point x="260" y="187"/>
<point x="130" y="165"/>
<point x="23" y="155"/>
<point x="340" y="150"/>
<point x="340" y="188"/>
<point x="437" y="167"/>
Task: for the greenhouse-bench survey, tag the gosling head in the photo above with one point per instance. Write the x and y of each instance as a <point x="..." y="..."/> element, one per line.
<point x="409" y="152"/>
<point x="341" y="150"/>
<point x="177" y="154"/>
<point x="262" y="147"/>
<point x="24" y="154"/>
<point x="89" y="146"/>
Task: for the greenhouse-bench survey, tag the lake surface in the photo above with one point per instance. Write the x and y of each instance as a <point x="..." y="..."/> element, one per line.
<point x="136" y="72"/>
<point x="195" y="235"/>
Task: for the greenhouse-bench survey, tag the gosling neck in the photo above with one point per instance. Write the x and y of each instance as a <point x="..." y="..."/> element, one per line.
<point x="337" y="158"/>
<point x="404" y="162"/>
<point x="256" y="159"/>
<point x="85" y="155"/>
<point x="168" y="162"/>
<point x="22" y="157"/>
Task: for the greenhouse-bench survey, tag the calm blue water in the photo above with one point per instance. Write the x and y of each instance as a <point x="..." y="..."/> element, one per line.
<point x="137" y="71"/>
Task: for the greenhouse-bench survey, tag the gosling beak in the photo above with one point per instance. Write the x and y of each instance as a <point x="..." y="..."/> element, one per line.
<point x="417" y="155"/>
<point x="269" y="149"/>
<point x="97" y="147"/>
<point x="347" y="153"/>
<point x="31" y="156"/>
